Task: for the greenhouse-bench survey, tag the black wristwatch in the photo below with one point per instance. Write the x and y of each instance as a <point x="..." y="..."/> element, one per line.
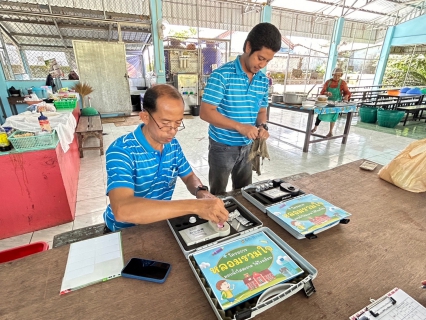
<point x="201" y="187"/>
<point x="264" y="125"/>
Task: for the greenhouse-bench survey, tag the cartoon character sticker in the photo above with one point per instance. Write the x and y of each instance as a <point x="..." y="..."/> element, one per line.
<point x="225" y="288"/>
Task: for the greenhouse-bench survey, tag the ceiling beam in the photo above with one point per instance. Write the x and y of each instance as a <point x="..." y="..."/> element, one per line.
<point x="347" y="7"/>
<point x="68" y="38"/>
<point x="3" y="28"/>
<point x="40" y="8"/>
<point x="61" y="17"/>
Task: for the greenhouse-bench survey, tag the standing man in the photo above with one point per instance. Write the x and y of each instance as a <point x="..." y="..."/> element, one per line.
<point x="234" y="103"/>
<point x="143" y="166"/>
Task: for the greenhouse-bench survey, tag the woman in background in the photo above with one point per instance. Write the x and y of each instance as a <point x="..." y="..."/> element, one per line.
<point x="337" y="90"/>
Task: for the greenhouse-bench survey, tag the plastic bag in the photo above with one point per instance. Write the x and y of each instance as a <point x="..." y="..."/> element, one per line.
<point x="408" y="169"/>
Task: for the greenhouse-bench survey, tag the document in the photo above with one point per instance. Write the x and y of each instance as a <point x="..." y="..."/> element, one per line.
<point x="395" y="305"/>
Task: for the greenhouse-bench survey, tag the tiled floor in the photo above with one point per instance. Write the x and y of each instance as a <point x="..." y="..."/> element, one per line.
<point x="285" y="149"/>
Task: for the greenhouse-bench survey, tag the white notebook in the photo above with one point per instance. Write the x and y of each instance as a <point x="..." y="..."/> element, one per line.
<point x="92" y="261"/>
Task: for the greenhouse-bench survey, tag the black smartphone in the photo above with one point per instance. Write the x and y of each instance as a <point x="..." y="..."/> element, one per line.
<point x="148" y="270"/>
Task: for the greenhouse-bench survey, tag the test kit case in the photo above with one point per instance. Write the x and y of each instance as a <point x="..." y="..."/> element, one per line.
<point x="267" y="194"/>
<point x="241" y="230"/>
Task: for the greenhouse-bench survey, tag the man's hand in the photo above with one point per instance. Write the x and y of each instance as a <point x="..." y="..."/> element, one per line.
<point x="212" y="209"/>
<point x="204" y="194"/>
<point x="248" y="131"/>
<point x="263" y="134"/>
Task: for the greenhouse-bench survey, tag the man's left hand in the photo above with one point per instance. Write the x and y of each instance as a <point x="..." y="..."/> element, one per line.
<point x="263" y="134"/>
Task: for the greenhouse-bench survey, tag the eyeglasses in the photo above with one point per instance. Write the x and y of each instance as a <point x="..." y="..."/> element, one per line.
<point x="167" y="128"/>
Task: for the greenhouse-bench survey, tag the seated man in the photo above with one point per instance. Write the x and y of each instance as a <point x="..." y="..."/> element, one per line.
<point x="143" y="166"/>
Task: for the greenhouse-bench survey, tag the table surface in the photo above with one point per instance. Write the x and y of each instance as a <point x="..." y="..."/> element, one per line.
<point x="363" y="259"/>
<point x="317" y="110"/>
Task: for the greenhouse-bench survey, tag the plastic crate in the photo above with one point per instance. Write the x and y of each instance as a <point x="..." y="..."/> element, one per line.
<point x="368" y="114"/>
<point x="389" y="118"/>
<point x="32" y="143"/>
<point x="65" y="104"/>
<point x="23" y="251"/>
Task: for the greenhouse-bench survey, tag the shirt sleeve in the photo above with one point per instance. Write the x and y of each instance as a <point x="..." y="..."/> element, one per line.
<point x="215" y="89"/>
<point x="324" y="87"/>
<point x="344" y="88"/>
<point x="119" y="167"/>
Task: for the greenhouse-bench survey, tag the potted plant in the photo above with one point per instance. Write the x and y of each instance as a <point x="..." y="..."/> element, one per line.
<point x="84" y="89"/>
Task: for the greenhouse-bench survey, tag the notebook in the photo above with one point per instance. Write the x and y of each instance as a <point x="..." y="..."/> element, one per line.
<point x="92" y="261"/>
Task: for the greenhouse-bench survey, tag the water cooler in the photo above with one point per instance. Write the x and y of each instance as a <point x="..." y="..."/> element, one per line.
<point x="187" y="85"/>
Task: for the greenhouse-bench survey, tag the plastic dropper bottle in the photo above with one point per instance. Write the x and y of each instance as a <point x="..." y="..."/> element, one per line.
<point x="44" y="123"/>
<point x="4" y="142"/>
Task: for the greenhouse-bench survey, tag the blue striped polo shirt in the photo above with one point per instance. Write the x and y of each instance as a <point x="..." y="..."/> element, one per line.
<point x="230" y="90"/>
<point x="131" y="162"/>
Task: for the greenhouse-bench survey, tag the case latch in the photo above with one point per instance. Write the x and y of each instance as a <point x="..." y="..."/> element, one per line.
<point x="241" y="315"/>
<point x="309" y="288"/>
<point x="311" y="236"/>
<point x="345" y="221"/>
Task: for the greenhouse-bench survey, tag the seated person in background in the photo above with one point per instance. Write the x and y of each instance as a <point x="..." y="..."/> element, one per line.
<point x="73" y="75"/>
<point x="143" y="166"/>
<point x="337" y="90"/>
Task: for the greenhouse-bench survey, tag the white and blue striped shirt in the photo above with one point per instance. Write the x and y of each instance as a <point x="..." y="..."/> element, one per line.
<point x="131" y="162"/>
<point x="237" y="98"/>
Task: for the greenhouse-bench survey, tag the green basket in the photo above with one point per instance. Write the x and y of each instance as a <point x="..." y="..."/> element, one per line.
<point x="368" y="114"/>
<point x="65" y="104"/>
<point x="389" y="118"/>
<point x="31" y="143"/>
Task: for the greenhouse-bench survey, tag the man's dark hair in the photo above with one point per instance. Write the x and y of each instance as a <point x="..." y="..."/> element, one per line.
<point x="263" y="35"/>
<point x="158" y="91"/>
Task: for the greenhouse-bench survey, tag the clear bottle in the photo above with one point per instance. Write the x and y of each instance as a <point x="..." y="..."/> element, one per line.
<point x="44" y="123"/>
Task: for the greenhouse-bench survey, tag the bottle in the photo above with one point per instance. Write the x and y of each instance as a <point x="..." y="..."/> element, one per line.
<point x="4" y="141"/>
<point x="44" y="123"/>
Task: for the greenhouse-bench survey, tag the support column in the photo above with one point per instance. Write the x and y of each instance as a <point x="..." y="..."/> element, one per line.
<point x="25" y="63"/>
<point x="159" y="64"/>
<point x="266" y="16"/>
<point x="3" y="88"/>
<point x="266" y="13"/>
<point x="384" y="56"/>
<point x="335" y="41"/>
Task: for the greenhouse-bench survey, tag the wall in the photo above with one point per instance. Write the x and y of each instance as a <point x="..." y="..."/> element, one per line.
<point x="410" y="32"/>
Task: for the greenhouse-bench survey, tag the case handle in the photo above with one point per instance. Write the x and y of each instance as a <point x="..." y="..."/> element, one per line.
<point x="273" y="291"/>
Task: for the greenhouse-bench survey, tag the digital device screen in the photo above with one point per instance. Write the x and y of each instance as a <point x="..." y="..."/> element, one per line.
<point x="146" y="268"/>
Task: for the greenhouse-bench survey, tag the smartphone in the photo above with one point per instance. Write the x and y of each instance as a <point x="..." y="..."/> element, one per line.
<point x="147" y="270"/>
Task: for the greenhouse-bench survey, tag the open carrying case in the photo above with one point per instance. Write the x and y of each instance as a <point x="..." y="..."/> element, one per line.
<point x="238" y="262"/>
<point x="267" y="194"/>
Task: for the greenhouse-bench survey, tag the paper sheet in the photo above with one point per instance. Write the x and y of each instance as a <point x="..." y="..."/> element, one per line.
<point x="93" y="260"/>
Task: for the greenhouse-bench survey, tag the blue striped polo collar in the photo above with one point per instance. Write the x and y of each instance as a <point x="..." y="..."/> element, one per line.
<point x="140" y="137"/>
<point x="239" y="69"/>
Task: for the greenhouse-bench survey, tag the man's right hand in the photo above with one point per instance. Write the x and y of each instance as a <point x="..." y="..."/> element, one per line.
<point x="248" y="131"/>
<point x="212" y="209"/>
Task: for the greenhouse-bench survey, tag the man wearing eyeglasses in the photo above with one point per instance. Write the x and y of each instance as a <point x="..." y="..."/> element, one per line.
<point x="143" y="166"/>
